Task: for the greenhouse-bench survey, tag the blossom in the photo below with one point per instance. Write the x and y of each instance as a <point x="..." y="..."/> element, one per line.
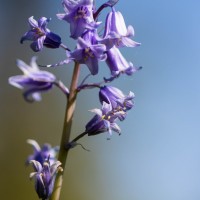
<point x="118" y="64"/>
<point x="40" y="35"/>
<point x="44" y="177"/>
<point x="41" y="154"/>
<point x="116" y="98"/>
<point x="88" y="52"/>
<point x="79" y="14"/>
<point x="104" y="120"/>
<point x="116" y="33"/>
<point x="33" y="81"/>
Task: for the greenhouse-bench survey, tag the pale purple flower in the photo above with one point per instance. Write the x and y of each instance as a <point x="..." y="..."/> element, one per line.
<point x="88" y="52"/>
<point x="44" y="177"/>
<point x="118" y="64"/>
<point x="116" y="33"/>
<point x="79" y="14"/>
<point x="33" y="81"/>
<point x="40" y="35"/>
<point x="104" y="120"/>
<point x="41" y="154"/>
<point x="116" y="98"/>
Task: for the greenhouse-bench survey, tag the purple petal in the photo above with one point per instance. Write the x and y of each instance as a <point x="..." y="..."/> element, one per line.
<point x="97" y="111"/>
<point x="120" y="26"/>
<point x="76" y="55"/>
<point x="32" y="22"/>
<point x="93" y="66"/>
<point x="34" y="144"/>
<point x="30" y="35"/>
<point x="17" y="81"/>
<point x="115" y="128"/>
<point x="33" y="94"/>
<point x="42" y="22"/>
<point x="36" y="165"/>
<point x="98" y="51"/>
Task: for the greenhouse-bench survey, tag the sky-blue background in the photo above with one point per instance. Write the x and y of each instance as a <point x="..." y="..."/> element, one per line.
<point x="157" y="157"/>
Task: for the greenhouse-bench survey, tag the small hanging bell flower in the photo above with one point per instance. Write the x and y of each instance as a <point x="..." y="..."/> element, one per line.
<point x="44" y="177"/>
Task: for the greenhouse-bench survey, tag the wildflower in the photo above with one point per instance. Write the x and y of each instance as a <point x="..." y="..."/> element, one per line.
<point x="116" y="98"/>
<point x="88" y="52"/>
<point x="33" y="81"/>
<point x="104" y="120"/>
<point x="79" y="14"/>
<point x="41" y="154"/>
<point x="118" y="64"/>
<point x="44" y="176"/>
<point x="40" y="35"/>
<point x="116" y="33"/>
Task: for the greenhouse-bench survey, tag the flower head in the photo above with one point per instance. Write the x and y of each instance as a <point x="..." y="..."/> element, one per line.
<point x="116" y="33"/>
<point x="79" y="14"/>
<point x="104" y="120"/>
<point x="40" y="35"/>
<point x="44" y="177"/>
<point x="116" y="98"/>
<point x="118" y="64"/>
<point x="33" y="81"/>
<point x="88" y="52"/>
<point x="41" y="154"/>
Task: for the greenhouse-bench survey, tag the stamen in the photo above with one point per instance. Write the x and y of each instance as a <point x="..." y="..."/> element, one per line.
<point x="81" y="13"/>
<point x="38" y="31"/>
<point x="88" y="53"/>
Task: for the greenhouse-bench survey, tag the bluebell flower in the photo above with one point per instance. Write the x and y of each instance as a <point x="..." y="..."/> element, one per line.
<point x="116" y="98"/>
<point x="41" y="154"/>
<point x="44" y="177"/>
<point x="79" y="14"/>
<point x="104" y="120"/>
<point x="118" y="64"/>
<point x="33" y="81"/>
<point x="88" y="52"/>
<point x="40" y="35"/>
<point x="116" y="33"/>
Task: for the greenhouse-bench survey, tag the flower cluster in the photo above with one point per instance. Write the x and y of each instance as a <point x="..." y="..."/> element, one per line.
<point x="114" y="107"/>
<point x="91" y="48"/>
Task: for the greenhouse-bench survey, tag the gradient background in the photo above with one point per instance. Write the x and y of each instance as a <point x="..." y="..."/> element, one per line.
<point x="157" y="157"/>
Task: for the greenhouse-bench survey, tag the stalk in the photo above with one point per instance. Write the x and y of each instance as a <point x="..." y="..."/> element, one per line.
<point x="70" y="108"/>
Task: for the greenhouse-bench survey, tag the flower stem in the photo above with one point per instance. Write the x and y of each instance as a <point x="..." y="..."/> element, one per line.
<point x="70" y="108"/>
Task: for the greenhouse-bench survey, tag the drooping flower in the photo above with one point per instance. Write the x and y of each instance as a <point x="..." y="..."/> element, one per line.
<point x="41" y="154"/>
<point x="79" y="14"/>
<point x="116" y="98"/>
<point x="104" y="120"/>
<point x="33" y="81"/>
<point x="44" y="177"/>
<point x="116" y="33"/>
<point x="41" y="35"/>
<point x="88" y="52"/>
<point x="118" y="64"/>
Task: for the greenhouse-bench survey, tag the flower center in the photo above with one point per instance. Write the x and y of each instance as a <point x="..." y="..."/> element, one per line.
<point x="82" y="12"/>
<point x="88" y="53"/>
<point x="38" y="31"/>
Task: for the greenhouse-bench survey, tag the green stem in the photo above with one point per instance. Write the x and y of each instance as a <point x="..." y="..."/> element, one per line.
<point x="70" y="108"/>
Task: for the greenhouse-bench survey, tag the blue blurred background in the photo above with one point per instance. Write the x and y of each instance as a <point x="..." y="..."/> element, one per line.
<point x="157" y="157"/>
